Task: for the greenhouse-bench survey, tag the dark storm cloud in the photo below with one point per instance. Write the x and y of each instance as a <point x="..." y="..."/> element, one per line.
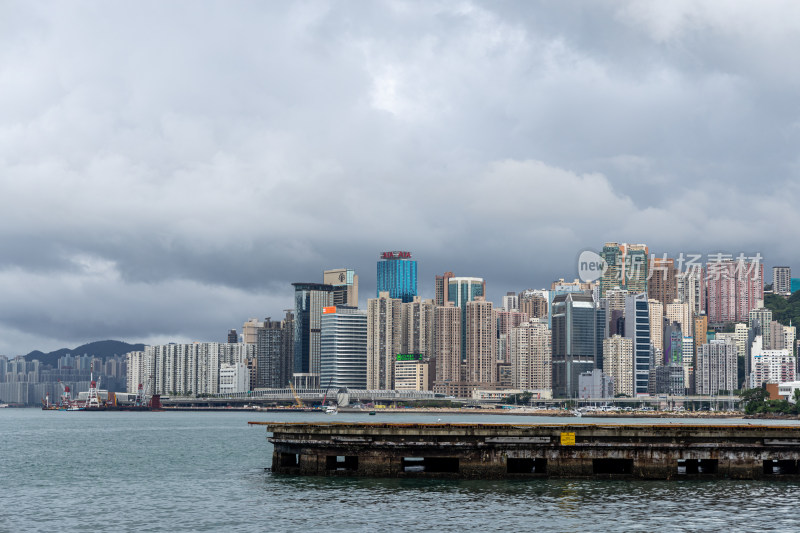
<point x="168" y="169"/>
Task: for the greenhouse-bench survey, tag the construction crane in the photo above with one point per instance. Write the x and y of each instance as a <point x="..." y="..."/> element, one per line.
<point x="325" y="396"/>
<point x="141" y="393"/>
<point x="297" y="400"/>
<point x="66" y="400"/>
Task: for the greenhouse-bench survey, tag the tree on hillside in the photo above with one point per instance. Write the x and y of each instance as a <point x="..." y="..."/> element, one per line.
<point x="784" y="310"/>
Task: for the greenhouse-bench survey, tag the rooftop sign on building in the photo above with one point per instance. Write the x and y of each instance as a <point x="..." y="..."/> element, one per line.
<point x="396" y="255"/>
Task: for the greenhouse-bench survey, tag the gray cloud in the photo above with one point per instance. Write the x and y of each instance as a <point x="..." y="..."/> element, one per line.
<point x="166" y="170"/>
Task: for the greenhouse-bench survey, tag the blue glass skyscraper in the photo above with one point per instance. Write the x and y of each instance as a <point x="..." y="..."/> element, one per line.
<point x="397" y="275"/>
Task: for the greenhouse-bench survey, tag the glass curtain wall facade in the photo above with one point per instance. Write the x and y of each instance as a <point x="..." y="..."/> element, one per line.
<point x="637" y="327"/>
<point x="397" y="275"/>
<point x="343" y="340"/>
<point x="577" y="337"/>
<point x="309" y="299"/>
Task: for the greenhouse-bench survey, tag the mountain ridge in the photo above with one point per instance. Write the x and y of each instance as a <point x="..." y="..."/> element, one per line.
<point x="101" y="349"/>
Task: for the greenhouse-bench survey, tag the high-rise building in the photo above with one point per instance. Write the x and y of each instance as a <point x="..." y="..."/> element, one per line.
<point x="384" y="340"/>
<point x="759" y="320"/>
<point x="531" y="356"/>
<point x="681" y="314"/>
<point x="190" y="369"/>
<point x="770" y="366"/>
<point x="461" y="290"/>
<point x="777" y="340"/>
<point x="481" y="356"/>
<point x="533" y="303"/>
<point x="577" y="338"/>
<point x="506" y="321"/>
<point x="618" y="363"/>
<point x="782" y="280"/>
<point x="511" y="301"/>
<point x="637" y="328"/>
<point x="447" y="345"/>
<point x="627" y="267"/>
<point x="397" y="275"/>
<point x="343" y="341"/>
<point x="790" y="338"/>
<point x="662" y="285"/>
<point x="616" y="299"/>
<point x="140" y="371"/>
<point x="734" y="288"/>
<point x="417" y="327"/>
<point x="716" y="368"/>
<point x="309" y="300"/>
<point x="441" y="286"/>
<point x="656" y="315"/>
<point x="690" y="289"/>
<point x="412" y="372"/>
<point x="687" y="357"/>
<point x="741" y="333"/>
<point x="345" y="285"/>
<point x="249" y="330"/>
<point x="233" y="337"/>
<point x="271" y="360"/>
<point x="287" y="325"/>
<point x="700" y="331"/>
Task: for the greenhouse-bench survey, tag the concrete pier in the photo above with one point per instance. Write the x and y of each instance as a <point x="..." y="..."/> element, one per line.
<point x="493" y="451"/>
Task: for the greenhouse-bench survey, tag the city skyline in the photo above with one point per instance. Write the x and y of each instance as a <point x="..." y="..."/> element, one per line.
<point x="170" y="190"/>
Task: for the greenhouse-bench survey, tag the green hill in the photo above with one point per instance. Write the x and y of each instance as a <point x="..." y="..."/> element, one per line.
<point x="100" y="349"/>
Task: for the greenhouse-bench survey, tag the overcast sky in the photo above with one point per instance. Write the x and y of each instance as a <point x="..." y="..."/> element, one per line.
<point x="167" y="169"/>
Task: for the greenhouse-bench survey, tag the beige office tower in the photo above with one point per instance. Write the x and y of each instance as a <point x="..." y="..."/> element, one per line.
<point x="250" y="331"/>
<point x="533" y="303"/>
<point x="531" y="357"/>
<point x="417" y="327"/>
<point x="447" y="343"/>
<point x="481" y="356"/>
<point x="682" y="314"/>
<point x="656" y="309"/>
<point x="740" y="333"/>
<point x="616" y="300"/>
<point x="618" y="363"/>
<point x="789" y="338"/>
<point x="384" y="340"/>
<point x="700" y="332"/>
<point x="345" y="285"/>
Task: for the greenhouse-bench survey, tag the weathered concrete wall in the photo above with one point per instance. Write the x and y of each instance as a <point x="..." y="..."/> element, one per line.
<point x="489" y="451"/>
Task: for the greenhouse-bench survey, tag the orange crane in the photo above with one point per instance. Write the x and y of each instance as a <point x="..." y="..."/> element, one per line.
<point x="297" y="400"/>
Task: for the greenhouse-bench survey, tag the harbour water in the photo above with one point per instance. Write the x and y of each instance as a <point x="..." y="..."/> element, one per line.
<point x="205" y="471"/>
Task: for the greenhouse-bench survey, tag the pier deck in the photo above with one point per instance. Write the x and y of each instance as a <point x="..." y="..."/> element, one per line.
<point x="493" y="451"/>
